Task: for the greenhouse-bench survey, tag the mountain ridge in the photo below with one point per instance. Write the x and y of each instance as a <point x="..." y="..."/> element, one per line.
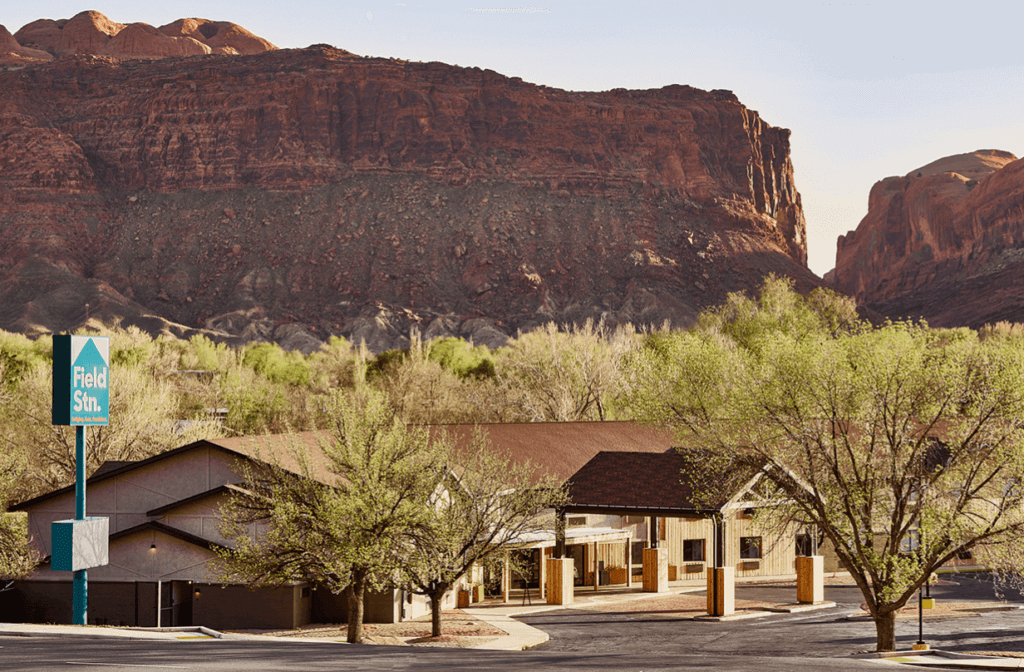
<point x="292" y="195"/>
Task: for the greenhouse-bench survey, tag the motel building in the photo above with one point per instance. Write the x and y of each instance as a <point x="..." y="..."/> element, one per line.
<point x="630" y="524"/>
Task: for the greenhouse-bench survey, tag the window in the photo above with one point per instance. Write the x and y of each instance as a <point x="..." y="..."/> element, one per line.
<point x="576" y="521"/>
<point x="662" y="529"/>
<point x="965" y="555"/>
<point x="750" y="548"/>
<point x="911" y="542"/>
<point x="633" y="520"/>
<point x="693" y="550"/>
<point x="803" y="544"/>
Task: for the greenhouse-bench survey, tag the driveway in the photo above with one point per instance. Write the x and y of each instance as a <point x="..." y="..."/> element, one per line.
<point x="823" y="634"/>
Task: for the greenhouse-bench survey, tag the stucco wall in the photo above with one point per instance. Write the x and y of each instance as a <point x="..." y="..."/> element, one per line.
<point x="126" y="498"/>
<point x="132" y="604"/>
<point x="231" y="607"/>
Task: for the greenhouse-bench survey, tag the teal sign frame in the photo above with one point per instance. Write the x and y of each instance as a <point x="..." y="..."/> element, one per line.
<point x="81" y="380"/>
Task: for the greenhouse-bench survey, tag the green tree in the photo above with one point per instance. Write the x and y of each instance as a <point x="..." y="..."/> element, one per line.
<point x="902" y="446"/>
<point x="485" y="504"/>
<point x="143" y="422"/>
<point x="340" y="517"/>
<point x="18" y="557"/>
<point x="549" y="375"/>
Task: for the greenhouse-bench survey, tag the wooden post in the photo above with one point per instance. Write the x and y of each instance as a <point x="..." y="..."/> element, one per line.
<point x="506" y="580"/>
<point x="560" y="533"/>
<point x="560" y="588"/>
<point x="721" y="591"/>
<point x="655" y="570"/>
<point x="597" y="574"/>
<point x="810" y="579"/>
<point x="629" y="563"/>
<point x="543" y="574"/>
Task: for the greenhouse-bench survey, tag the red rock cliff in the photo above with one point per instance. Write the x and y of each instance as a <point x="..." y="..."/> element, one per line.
<point x="944" y="242"/>
<point x="363" y="195"/>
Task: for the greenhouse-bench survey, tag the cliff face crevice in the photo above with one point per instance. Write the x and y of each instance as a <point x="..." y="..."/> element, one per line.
<point x="944" y="242"/>
<point x="363" y="196"/>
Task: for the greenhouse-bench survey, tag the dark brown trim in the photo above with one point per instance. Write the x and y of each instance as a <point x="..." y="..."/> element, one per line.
<point x="659" y="511"/>
<point x="168" y="530"/>
<point x="160" y="510"/>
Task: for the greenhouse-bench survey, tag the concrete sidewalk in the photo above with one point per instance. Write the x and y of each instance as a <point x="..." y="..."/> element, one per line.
<point x="946" y="660"/>
<point x="520" y="636"/>
<point x="104" y="632"/>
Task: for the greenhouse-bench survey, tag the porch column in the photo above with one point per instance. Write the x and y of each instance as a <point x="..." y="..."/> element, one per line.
<point x="629" y="563"/>
<point x="560" y="533"/>
<point x="542" y="587"/>
<point x="506" y="579"/>
<point x="597" y="572"/>
<point x="721" y="579"/>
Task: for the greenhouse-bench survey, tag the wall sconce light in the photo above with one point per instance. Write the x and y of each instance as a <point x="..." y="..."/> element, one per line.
<point x="152" y="548"/>
<point x="198" y="593"/>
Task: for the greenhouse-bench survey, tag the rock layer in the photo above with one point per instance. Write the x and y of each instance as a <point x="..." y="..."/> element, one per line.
<point x="93" y="33"/>
<point x="944" y="242"/>
<point x="313" y="192"/>
<point x="12" y="53"/>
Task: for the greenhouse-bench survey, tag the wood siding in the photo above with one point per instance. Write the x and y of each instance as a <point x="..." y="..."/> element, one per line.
<point x="778" y="554"/>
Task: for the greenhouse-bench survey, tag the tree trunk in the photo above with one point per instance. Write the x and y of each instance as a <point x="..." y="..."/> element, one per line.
<point x="355" y="606"/>
<point x="435" y="609"/>
<point x="885" y="629"/>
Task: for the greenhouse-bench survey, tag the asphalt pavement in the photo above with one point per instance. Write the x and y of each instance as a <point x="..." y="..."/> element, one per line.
<point x="580" y="640"/>
<point x="64" y="655"/>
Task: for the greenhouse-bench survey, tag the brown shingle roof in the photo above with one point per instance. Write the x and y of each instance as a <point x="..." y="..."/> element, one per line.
<point x="556" y="449"/>
<point x="559" y="449"/>
<point x="638" y="481"/>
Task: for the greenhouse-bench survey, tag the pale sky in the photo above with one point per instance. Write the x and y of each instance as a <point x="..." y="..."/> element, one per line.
<point x="869" y="89"/>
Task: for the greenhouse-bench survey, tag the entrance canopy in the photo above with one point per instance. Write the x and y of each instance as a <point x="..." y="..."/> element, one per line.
<point x="644" y="484"/>
<point x="573" y="535"/>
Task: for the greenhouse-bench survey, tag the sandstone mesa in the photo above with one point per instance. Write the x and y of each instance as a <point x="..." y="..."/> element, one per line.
<point x="944" y="242"/>
<point x="295" y="194"/>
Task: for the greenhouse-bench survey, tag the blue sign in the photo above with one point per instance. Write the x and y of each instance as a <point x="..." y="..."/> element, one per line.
<point x="81" y="380"/>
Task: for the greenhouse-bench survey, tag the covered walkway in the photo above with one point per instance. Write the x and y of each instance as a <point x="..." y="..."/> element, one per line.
<point x="650" y="485"/>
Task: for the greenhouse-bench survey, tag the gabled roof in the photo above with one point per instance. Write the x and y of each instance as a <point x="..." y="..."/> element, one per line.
<point x="167" y="529"/>
<point x="559" y="449"/>
<point x="102" y="474"/>
<point x="556" y="449"/>
<point x="166" y="508"/>
<point x="267" y="448"/>
<point x="646" y="484"/>
<point x="159" y="527"/>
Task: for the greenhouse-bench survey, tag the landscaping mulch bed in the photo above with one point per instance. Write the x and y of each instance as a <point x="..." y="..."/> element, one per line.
<point x="947" y="609"/>
<point x="999" y="654"/>
<point x="459" y="630"/>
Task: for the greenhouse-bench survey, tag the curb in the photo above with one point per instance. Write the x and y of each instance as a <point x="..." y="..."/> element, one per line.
<point x="950" y="660"/>
<point x="520" y="635"/>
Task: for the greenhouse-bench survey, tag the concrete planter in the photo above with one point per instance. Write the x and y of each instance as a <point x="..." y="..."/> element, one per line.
<point x="617" y="575"/>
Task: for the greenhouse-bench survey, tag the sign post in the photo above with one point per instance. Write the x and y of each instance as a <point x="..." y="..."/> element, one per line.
<point x="81" y="397"/>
